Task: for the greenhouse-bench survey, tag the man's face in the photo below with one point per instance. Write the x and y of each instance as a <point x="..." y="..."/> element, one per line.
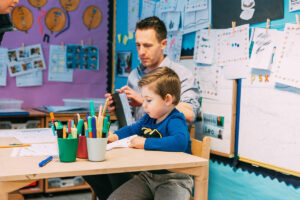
<point x="150" y="50"/>
<point x="6" y="6"/>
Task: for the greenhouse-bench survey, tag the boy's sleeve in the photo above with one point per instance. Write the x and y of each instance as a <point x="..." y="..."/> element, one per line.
<point x="127" y="131"/>
<point x="177" y="140"/>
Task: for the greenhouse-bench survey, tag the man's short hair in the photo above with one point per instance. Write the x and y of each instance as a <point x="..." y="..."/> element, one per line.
<point x="163" y="81"/>
<point x="153" y="23"/>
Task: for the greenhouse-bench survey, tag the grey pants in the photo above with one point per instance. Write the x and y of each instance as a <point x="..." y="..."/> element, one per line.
<point x="148" y="186"/>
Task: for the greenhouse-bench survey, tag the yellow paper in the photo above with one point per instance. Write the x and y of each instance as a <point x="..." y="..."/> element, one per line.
<point x="125" y="39"/>
<point x="130" y="35"/>
<point x="119" y="38"/>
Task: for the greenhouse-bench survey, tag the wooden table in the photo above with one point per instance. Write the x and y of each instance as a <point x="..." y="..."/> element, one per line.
<point x="17" y="172"/>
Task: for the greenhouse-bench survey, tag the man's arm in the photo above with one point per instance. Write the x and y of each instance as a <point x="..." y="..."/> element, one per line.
<point x="187" y="111"/>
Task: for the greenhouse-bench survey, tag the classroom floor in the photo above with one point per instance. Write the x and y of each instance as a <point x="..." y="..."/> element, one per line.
<point x="78" y="195"/>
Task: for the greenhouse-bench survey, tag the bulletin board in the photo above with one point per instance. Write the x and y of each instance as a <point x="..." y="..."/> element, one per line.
<point x="86" y="83"/>
<point x="225" y="108"/>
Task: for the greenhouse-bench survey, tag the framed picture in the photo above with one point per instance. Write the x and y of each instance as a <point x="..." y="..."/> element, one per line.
<point x="124" y="59"/>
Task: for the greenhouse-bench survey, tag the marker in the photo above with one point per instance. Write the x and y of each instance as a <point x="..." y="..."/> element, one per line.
<point x="59" y="130"/>
<point x="105" y="128"/>
<point x="52" y="118"/>
<point x="90" y="127"/>
<point x="92" y="108"/>
<point x="94" y="130"/>
<point x="44" y="162"/>
<point x="53" y="129"/>
<point x="79" y="126"/>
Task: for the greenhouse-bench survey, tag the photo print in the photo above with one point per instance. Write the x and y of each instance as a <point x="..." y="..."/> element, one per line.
<point x="25" y="60"/>
<point x="124" y="63"/>
<point x="82" y="57"/>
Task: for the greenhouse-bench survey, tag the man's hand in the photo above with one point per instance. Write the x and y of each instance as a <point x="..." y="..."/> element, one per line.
<point x="110" y="105"/>
<point x="137" y="142"/>
<point x="134" y="98"/>
<point x="112" y="137"/>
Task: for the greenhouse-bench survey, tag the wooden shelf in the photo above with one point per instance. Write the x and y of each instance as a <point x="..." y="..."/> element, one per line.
<point x="61" y="189"/>
<point x="35" y="189"/>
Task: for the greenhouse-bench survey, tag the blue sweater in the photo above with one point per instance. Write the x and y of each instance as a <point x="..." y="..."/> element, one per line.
<point x="169" y="135"/>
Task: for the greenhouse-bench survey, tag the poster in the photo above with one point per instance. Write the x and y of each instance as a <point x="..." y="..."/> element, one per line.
<point x="124" y="63"/>
<point x="245" y="12"/>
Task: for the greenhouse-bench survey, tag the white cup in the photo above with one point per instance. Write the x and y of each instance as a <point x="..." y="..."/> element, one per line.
<point x="96" y="149"/>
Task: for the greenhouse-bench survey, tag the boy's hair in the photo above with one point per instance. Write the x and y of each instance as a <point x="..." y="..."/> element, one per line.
<point x="163" y="81"/>
<point x="153" y="23"/>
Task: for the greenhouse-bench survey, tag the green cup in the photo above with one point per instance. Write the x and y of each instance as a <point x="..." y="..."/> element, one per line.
<point x="67" y="149"/>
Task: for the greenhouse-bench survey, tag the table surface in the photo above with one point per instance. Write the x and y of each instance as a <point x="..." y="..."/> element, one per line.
<point x="116" y="161"/>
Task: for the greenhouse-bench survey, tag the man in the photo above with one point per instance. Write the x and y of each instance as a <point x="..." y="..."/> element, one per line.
<point x="6" y="7"/>
<point x="150" y="37"/>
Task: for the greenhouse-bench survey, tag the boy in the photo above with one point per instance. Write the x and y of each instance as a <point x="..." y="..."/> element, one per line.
<point x="162" y="128"/>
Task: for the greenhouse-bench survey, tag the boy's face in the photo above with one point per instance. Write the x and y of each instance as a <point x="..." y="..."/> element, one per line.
<point x="154" y="105"/>
<point x="6" y="6"/>
<point x="150" y="50"/>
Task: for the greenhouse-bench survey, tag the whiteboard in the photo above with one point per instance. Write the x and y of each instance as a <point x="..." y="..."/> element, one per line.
<point x="224" y="106"/>
<point x="269" y="133"/>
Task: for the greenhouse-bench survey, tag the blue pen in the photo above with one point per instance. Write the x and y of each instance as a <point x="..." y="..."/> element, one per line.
<point x="44" y="162"/>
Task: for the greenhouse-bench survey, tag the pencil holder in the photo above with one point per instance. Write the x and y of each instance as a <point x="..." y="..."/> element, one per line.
<point x="96" y="148"/>
<point x="82" y="148"/>
<point x="67" y="149"/>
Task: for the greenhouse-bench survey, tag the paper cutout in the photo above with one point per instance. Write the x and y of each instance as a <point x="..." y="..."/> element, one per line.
<point x="233" y="48"/>
<point x="29" y="59"/>
<point x="204" y="46"/>
<point x="125" y="40"/>
<point x="133" y="14"/>
<point x="82" y="57"/>
<point x="119" y="37"/>
<point x="287" y="67"/>
<point x="57" y="65"/>
<point x="3" y="66"/>
<point x="130" y="35"/>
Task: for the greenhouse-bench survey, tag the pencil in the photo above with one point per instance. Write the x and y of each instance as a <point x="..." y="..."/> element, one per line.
<point x="15" y="145"/>
<point x="105" y="107"/>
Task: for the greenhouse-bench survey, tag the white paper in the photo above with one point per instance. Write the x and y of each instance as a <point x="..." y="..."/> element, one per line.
<point x="172" y="20"/>
<point x="34" y="78"/>
<point x="264" y="48"/>
<point x="167" y="6"/>
<point x="204" y="46"/>
<point x="173" y="48"/>
<point x="148" y="9"/>
<point x="125" y="142"/>
<point x="36" y="150"/>
<point x="287" y="68"/>
<point x="30" y="136"/>
<point x="294" y="5"/>
<point x="194" y="5"/>
<point x="3" y="66"/>
<point x="27" y="60"/>
<point x="233" y="47"/>
<point x="133" y="14"/>
<point x="208" y="79"/>
<point x="57" y="65"/>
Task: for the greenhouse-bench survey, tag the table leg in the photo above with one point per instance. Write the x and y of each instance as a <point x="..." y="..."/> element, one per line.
<point x="201" y="184"/>
<point x="10" y="186"/>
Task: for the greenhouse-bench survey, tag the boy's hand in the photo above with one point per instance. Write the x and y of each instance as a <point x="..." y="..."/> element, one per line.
<point x="137" y="142"/>
<point x="112" y="138"/>
<point x="134" y="98"/>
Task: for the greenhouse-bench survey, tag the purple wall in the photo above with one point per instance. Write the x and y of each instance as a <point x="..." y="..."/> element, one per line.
<point x="85" y="83"/>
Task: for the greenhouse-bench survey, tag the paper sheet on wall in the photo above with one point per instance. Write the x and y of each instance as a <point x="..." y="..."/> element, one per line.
<point x="173" y="48"/>
<point x="3" y="66"/>
<point x="25" y="60"/>
<point x="133" y="14"/>
<point x="286" y="70"/>
<point x="148" y="9"/>
<point x="167" y="6"/>
<point x="57" y="65"/>
<point x="233" y="47"/>
<point x="194" y="5"/>
<point x="264" y="47"/>
<point x="294" y="5"/>
<point x="28" y="80"/>
<point x="208" y="79"/>
<point x="172" y="20"/>
<point x="204" y="46"/>
<point x="36" y="150"/>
